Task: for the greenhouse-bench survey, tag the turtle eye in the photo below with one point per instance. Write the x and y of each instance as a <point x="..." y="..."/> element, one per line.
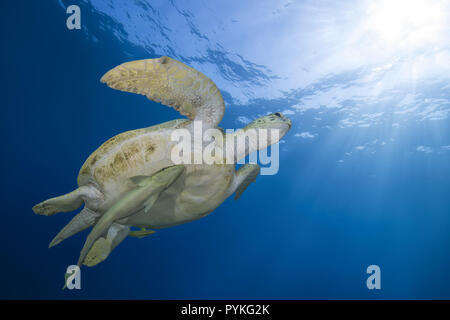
<point x="277" y="114"/>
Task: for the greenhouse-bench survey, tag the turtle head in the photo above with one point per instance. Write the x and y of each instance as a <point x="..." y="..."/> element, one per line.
<point x="261" y="133"/>
<point x="274" y="121"/>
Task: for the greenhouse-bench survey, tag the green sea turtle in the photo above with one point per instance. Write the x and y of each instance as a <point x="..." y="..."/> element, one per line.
<point x="132" y="181"/>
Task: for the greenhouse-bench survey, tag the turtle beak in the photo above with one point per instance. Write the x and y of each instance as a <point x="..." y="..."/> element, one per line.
<point x="288" y="121"/>
<point x="285" y="119"/>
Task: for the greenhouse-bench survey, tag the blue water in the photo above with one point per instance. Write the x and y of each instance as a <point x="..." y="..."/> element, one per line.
<point x="364" y="172"/>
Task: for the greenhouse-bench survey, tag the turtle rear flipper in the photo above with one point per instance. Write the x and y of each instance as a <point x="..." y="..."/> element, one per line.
<point x="81" y="221"/>
<point x="66" y="203"/>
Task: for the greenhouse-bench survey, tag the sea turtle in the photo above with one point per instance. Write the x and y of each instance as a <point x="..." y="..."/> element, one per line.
<point x="132" y="181"/>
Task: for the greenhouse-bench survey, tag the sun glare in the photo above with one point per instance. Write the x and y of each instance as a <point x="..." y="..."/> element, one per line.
<point x="409" y="23"/>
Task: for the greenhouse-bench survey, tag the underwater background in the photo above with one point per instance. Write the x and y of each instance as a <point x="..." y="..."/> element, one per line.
<point x="364" y="172"/>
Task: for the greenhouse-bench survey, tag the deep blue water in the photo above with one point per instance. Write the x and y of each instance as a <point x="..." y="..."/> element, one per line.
<point x="355" y="187"/>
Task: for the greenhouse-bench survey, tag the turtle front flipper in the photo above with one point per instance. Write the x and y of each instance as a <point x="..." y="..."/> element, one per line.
<point x="66" y="203"/>
<point x="244" y="176"/>
<point x="172" y="83"/>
